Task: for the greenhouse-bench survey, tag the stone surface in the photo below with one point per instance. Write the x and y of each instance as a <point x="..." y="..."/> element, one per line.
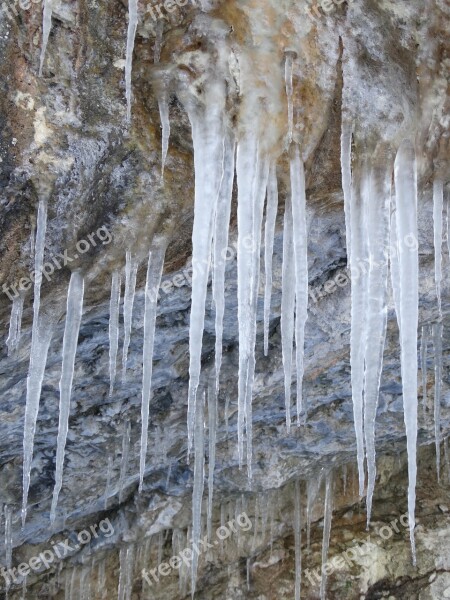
<point x="63" y="137"/>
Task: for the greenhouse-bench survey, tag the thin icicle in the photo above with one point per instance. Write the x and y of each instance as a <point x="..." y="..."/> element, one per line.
<point x="207" y="135"/>
<point x="40" y="341"/>
<point x="15" y="325"/>
<point x="358" y="260"/>
<point x="24" y="587"/>
<point x="163" y="104"/>
<point x="154" y="275"/>
<point x="395" y="267"/>
<point x="131" y="34"/>
<point x="406" y="204"/>
<point x="212" y="433"/>
<point x="131" y="268"/>
<point x="8" y="536"/>
<point x="221" y="230"/>
<point x="300" y="238"/>
<point x="344" y="476"/>
<point x="346" y="169"/>
<point x="328" y="514"/>
<point x="122" y="573"/>
<point x="423" y="363"/>
<point x="438" y="207"/>
<point x="377" y="203"/>
<point x="108" y="481"/>
<point x="289" y="68"/>
<point x="298" y="541"/>
<point x="197" y="492"/>
<point x="46" y="27"/>
<point x="269" y="237"/>
<point x="126" y="439"/>
<point x="252" y="175"/>
<point x="287" y="306"/>
<point x="437" y="342"/>
<point x="312" y="489"/>
<point x="114" y="306"/>
<point x="70" y="341"/>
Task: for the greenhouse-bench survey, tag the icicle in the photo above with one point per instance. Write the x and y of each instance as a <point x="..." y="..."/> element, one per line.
<point x="395" y="267"/>
<point x="15" y="325"/>
<point x="298" y="191"/>
<point x="122" y="573"/>
<point x="163" y="105"/>
<point x="129" y="568"/>
<point x="131" y="34"/>
<point x="328" y="514"/>
<point x="212" y="433"/>
<point x="154" y="275"/>
<point x="438" y="206"/>
<point x="101" y="582"/>
<point x="312" y="489"/>
<point x="125" y="456"/>
<point x="46" y="27"/>
<point x="448" y="226"/>
<point x="114" y="328"/>
<point x="220" y="248"/>
<point x="40" y="342"/>
<point x="70" y="341"/>
<point x="252" y="175"/>
<point x="72" y="583"/>
<point x="423" y="363"/>
<point x="159" y="30"/>
<point x="437" y="341"/>
<point x="24" y="587"/>
<point x="248" y="567"/>
<point x="358" y="255"/>
<point x="346" y="169"/>
<point x="108" y="481"/>
<point x="289" y="67"/>
<point x="197" y="492"/>
<point x="377" y="188"/>
<point x="207" y="135"/>
<point x="298" y="541"/>
<point x="269" y="236"/>
<point x="255" y="524"/>
<point x="227" y="414"/>
<point x="8" y="536"/>
<point x="131" y="269"/>
<point x="287" y="306"/>
<point x="406" y="203"/>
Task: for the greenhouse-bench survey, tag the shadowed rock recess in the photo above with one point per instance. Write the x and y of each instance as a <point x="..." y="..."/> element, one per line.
<point x="354" y="94"/>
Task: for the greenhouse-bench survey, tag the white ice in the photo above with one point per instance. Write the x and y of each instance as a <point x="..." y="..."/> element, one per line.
<point x="114" y="308"/>
<point x="438" y="207"/>
<point x="131" y="268"/>
<point x="46" y="27"/>
<point x="131" y="34"/>
<point x="328" y="514"/>
<point x="269" y="236"/>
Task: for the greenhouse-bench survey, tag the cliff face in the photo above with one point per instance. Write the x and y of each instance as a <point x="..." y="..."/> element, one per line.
<point x="64" y="140"/>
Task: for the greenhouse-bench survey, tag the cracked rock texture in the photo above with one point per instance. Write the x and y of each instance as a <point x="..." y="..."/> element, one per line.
<point x="63" y="137"/>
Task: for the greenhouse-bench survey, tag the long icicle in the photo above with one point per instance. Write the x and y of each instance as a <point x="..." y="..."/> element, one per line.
<point x="437" y="342"/>
<point x="358" y="256"/>
<point x="221" y="234"/>
<point x="40" y="342"/>
<point x="131" y="268"/>
<point x="406" y="217"/>
<point x="46" y="27"/>
<point x="126" y="440"/>
<point x="346" y="168"/>
<point x="328" y="514"/>
<point x="114" y="309"/>
<point x="288" y="74"/>
<point x="298" y="540"/>
<point x="154" y="275"/>
<point x="378" y="204"/>
<point x="438" y="207"/>
<point x="163" y="104"/>
<point x="269" y="237"/>
<point x="298" y="190"/>
<point x="207" y="135"/>
<point x="131" y="34"/>
<point x="423" y="366"/>
<point x="287" y="306"/>
<point x="70" y="341"/>
<point x="199" y="482"/>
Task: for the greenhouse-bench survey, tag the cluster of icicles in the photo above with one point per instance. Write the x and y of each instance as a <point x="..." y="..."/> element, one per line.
<point x="377" y="218"/>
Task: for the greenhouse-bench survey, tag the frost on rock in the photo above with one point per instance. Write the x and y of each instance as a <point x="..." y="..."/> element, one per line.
<point x="406" y="221"/>
<point x="70" y="341"/>
<point x="153" y="282"/>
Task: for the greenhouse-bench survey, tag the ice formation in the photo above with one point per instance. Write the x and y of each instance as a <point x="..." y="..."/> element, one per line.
<point x="114" y="307"/>
<point x="131" y="268"/>
<point x="131" y="34"/>
<point x="269" y="235"/>
<point x="46" y="27"/>
<point x="15" y="325"/>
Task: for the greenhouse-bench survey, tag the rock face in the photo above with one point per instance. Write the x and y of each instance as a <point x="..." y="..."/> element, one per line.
<point x="64" y="140"/>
